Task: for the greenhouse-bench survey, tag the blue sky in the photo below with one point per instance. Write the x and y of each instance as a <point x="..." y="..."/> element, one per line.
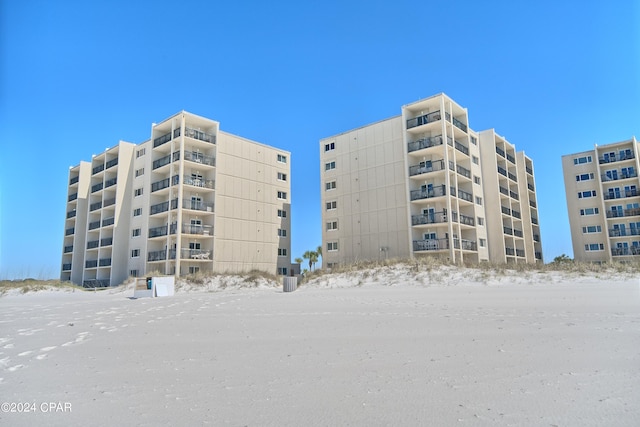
<point x="76" y="77"/>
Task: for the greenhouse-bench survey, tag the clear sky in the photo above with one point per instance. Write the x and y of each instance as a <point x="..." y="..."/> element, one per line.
<point x="553" y="77"/>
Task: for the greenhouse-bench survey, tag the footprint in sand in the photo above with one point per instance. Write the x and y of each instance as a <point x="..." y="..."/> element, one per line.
<point x="15" y="368"/>
<point x="25" y="353"/>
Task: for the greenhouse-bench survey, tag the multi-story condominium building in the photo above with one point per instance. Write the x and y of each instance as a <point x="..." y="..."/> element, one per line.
<point x="190" y="199"/>
<point x="416" y="185"/>
<point x="603" y="202"/>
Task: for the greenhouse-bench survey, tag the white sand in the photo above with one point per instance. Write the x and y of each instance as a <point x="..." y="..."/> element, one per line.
<point x="363" y="349"/>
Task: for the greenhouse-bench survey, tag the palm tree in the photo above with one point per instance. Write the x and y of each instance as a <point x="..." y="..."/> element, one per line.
<point x="298" y="260"/>
<point x="319" y="251"/>
<point x="312" y="256"/>
<point x="307" y="255"/>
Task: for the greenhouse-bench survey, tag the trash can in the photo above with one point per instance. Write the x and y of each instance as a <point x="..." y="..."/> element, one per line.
<point x="289" y="284"/>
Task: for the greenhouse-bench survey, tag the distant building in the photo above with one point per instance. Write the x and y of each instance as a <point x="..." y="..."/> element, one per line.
<point x="603" y="202"/>
<point x="191" y="199"/>
<point x="424" y="184"/>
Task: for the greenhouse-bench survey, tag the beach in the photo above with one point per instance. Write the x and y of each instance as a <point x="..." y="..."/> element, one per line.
<point x="340" y="350"/>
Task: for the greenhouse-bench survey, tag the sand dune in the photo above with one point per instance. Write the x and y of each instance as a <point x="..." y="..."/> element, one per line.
<point x="388" y="346"/>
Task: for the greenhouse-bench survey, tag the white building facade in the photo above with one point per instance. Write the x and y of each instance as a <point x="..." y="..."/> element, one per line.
<point x="192" y="199"/>
<point x="603" y="202"/>
<point x="414" y="185"/>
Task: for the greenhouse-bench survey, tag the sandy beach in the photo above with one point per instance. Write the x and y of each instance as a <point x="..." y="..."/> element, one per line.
<point x="369" y="350"/>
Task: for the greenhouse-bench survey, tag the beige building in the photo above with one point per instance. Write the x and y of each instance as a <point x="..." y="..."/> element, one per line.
<point x="190" y="199"/>
<point x="415" y="185"/>
<point x="603" y="202"/>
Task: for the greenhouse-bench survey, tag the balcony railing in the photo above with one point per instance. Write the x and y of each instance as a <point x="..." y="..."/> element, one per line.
<point x="199" y="182"/>
<point x="434" y="166"/>
<point x="502" y="171"/>
<point x="427" y="194"/>
<point x="93" y="225"/>
<point x="514" y="195"/>
<point x="532" y="204"/>
<point x="104" y="262"/>
<point x="538" y="255"/>
<point x="108" y="221"/>
<point x="72" y="197"/>
<point x="530" y="187"/>
<point x="202" y="136"/>
<point x="97" y="169"/>
<point x="110" y="182"/>
<point x="202" y="229"/>
<point x="504" y="191"/>
<point x="161" y="255"/>
<point x="461" y="147"/>
<point x="107" y="241"/>
<point x="617" y="158"/>
<point x="634" y="250"/>
<point x="512" y="177"/>
<point x="66" y="267"/>
<point x="96" y="187"/>
<point x="111" y="163"/>
<point x="529" y="170"/>
<point x="69" y="231"/>
<point x="68" y="249"/>
<point x="162" y="140"/>
<point x="617" y="232"/>
<point x="96" y="283"/>
<point x="430" y="245"/>
<point x="429" y="218"/>
<point x="625" y="212"/>
<point x="74" y="180"/>
<point x="201" y="254"/>
<point x="464" y="195"/>
<point x="109" y="202"/>
<point x="510" y="251"/>
<point x="536" y="237"/>
<point x="420" y="144"/>
<point x="93" y="244"/>
<point x="616" y="177"/>
<point x="163" y="207"/>
<point x="520" y="252"/>
<point x="517" y="233"/>
<point x="457" y="123"/>
<point x="91" y="264"/>
<point x="165" y="183"/>
<point x="161" y="162"/>
<point x="71" y="214"/>
<point x="198" y="157"/>
<point x="467" y="220"/>
<point x="197" y="205"/>
<point x="463" y="171"/>
<point x="515" y="213"/>
<point x="500" y="151"/>
<point x="163" y="230"/>
<point x="505" y="210"/>
<point x="507" y="230"/>
<point x="95" y="206"/>
<point x="466" y="245"/>
<point x="423" y="120"/>
<point x="534" y="220"/>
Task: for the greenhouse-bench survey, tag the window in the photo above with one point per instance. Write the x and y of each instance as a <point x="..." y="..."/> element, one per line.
<point x="137" y="192"/>
<point x="483" y="243"/>
<point x="474" y="140"/>
<point x="282" y="159"/>
<point x="478" y="200"/>
<point x="480" y="221"/>
<point x="584" y="177"/>
<point x="476" y="179"/>
<point x="282" y="232"/>
<point x="282" y="251"/>
<point x="329" y="166"/>
<point x="332" y="246"/>
<point x="137" y="212"/>
<point x="589" y="211"/>
<point x="135" y="253"/>
<point x="475" y="160"/>
<point x="135" y="232"/>
<point x="329" y="147"/>
<point x="586" y="194"/>
<point x="282" y="195"/>
<point x="332" y="205"/>
<point x="594" y="247"/>
<point x="139" y="153"/>
<point x="282" y="271"/>
<point x="282" y="176"/>
<point x="133" y="273"/>
<point x="331" y="185"/>
<point x="194" y="270"/>
<point x="592" y="229"/>
<point x="582" y="160"/>
<point x="139" y="172"/>
<point x="332" y="225"/>
<point x="282" y="213"/>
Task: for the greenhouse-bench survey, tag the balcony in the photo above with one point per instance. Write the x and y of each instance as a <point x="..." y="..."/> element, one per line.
<point x="511" y="158"/>
<point x="520" y="252"/>
<point x="505" y="210"/>
<point x="461" y="147"/>
<point x="66" y="267"/>
<point x="111" y="163"/>
<point x="514" y="195"/>
<point x="457" y="123"/>
<point x="534" y="220"/>
<point x="93" y="244"/>
<point x="95" y="206"/>
<point x="96" y="283"/>
<point x="621" y="194"/>
<point x="165" y="183"/>
<point x="430" y="245"/>
<point x="161" y="162"/>
<point x="501" y="152"/>
<point x="71" y="214"/>
<point x="107" y="241"/>
<point x="538" y="255"/>
<point x="198" y="229"/>
<point x="197" y="205"/>
<point x="197" y="157"/>
<point x="74" y="180"/>
<point x="464" y="219"/>
<point x="530" y="187"/>
<point x="69" y="231"/>
<point x="536" y="238"/>
<point x="502" y="171"/>
<point x="428" y="194"/>
<point x="510" y="251"/>
<point x="161" y="255"/>
<point x="533" y="204"/>
<point x="507" y="230"/>
<point x="104" y="262"/>
<point x="504" y="191"/>
<point x="512" y="177"/>
<point x="96" y="187"/>
<point x="463" y="171"/>
<point x="91" y="264"/>
<point x="515" y="214"/>
<point x="430" y="218"/>
<point x="163" y="207"/>
<point x="464" y="195"/>
<point x="423" y="143"/>
<point x="199" y="182"/>
<point x="162" y="140"/>
<point x="517" y="233"/>
<point x="72" y="197"/>
<point x="93" y="225"/>
<point x="529" y="170"/>
<point x="110" y="182"/>
<point x="617" y="232"/>
<point x="109" y="202"/>
<point x="634" y="250"/>
<point x="195" y="254"/>
<point x="614" y="176"/>
<point x="433" y="166"/>
<point x="68" y="249"/>
<point x="163" y="230"/>
<point x="423" y="120"/>
<point x="617" y="158"/>
<point x="108" y="221"/>
<point x="201" y="136"/>
<point x="466" y="245"/>
<point x="97" y="169"/>
<point x="625" y="212"/>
